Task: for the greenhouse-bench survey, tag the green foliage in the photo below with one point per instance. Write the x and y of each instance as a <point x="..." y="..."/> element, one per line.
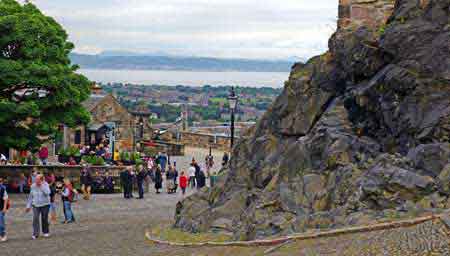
<point x="94" y="160"/>
<point x="39" y="88"/>
<point x="70" y="151"/>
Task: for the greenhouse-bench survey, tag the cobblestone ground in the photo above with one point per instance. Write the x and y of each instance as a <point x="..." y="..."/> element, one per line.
<point x="111" y="225"/>
<point x="430" y="238"/>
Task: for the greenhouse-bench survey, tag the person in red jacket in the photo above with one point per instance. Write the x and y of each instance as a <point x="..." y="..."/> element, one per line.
<point x="43" y="155"/>
<point x="183" y="182"/>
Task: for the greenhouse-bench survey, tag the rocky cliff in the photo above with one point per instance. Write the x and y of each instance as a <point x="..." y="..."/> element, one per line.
<point x="360" y="134"/>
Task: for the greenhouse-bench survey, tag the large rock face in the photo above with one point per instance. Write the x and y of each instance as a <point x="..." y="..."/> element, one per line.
<point x="360" y="133"/>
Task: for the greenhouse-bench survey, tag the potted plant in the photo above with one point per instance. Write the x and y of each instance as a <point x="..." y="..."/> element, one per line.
<point x="63" y="155"/>
<point x="127" y="158"/>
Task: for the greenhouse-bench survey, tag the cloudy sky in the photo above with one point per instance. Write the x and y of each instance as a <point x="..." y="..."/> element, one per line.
<point x="260" y="29"/>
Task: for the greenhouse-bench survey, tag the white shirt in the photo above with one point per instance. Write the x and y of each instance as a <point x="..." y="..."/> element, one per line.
<point x="191" y="171"/>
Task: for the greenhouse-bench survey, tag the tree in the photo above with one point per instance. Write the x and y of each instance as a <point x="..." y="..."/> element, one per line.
<point x="39" y="88"/>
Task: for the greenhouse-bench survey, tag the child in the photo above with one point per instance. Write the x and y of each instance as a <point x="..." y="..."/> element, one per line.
<point x="183" y="182"/>
<point x="67" y="198"/>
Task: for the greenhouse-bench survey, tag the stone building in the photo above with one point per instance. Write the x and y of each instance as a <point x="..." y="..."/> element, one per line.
<point x="111" y="120"/>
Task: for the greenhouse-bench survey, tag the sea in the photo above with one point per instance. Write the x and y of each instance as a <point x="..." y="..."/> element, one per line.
<point x="188" y="78"/>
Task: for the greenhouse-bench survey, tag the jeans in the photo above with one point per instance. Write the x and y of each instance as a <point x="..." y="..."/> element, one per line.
<point x="68" y="214"/>
<point x="2" y="224"/>
<point x="192" y="181"/>
<point x="42" y="214"/>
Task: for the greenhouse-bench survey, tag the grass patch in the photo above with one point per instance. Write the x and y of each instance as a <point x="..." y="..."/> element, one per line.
<point x="167" y="233"/>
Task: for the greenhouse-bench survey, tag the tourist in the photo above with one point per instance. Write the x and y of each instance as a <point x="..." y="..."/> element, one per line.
<point x="201" y="180"/>
<point x="150" y="163"/>
<point x="225" y="159"/>
<point x="163" y="161"/>
<point x="131" y="177"/>
<point x="52" y="186"/>
<point x="158" y="180"/>
<point x="3" y="210"/>
<point x="50" y="178"/>
<point x="97" y="183"/>
<point x="22" y="182"/>
<point x="32" y="178"/>
<point x="170" y="184"/>
<point x="123" y="182"/>
<point x="191" y="172"/>
<point x="197" y="173"/>
<point x="67" y="196"/>
<point x="43" y="155"/>
<point x="39" y="201"/>
<point x="140" y="177"/>
<point x="108" y="183"/>
<point x="209" y="163"/>
<point x="175" y="177"/>
<point x="126" y="178"/>
<point x="86" y="183"/>
<point x="183" y="182"/>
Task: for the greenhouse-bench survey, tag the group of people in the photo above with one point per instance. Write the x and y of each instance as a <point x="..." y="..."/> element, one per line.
<point x="41" y="202"/>
<point x="44" y="189"/>
<point x="154" y="172"/>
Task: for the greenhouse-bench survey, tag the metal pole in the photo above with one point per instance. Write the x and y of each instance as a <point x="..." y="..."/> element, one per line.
<point x="232" y="129"/>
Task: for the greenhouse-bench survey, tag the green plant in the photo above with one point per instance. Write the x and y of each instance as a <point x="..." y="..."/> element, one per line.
<point x="63" y="152"/>
<point x="38" y="80"/>
<point x="125" y="156"/>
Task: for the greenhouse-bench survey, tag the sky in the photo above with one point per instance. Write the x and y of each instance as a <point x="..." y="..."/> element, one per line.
<point x="256" y="29"/>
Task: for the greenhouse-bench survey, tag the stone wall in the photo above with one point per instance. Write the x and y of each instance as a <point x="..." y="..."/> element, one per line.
<point x="203" y="140"/>
<point x="364" y="12"/>
<point x="71" y="172"/>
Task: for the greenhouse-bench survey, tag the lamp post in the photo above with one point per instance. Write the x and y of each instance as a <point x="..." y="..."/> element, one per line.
<point x="232" y="100"/>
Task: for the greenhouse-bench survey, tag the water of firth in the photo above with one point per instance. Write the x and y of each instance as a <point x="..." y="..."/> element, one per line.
<point x="190" y="78"/>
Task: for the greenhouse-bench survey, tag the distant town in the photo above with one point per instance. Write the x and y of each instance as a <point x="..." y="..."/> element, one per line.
<point x="204" y="104"/>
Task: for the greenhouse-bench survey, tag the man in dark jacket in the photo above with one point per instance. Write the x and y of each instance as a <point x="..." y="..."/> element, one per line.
<point x="197" y="173"/>
<point x="141" y="175"/>
<point x="201" y="182"/>
<point x="125" y="177"/>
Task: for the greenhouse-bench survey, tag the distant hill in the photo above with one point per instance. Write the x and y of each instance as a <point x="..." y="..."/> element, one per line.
<point x="142" y="62"/>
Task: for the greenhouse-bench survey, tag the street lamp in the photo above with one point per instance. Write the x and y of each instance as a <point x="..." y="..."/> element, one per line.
<point x="233" y="101"/>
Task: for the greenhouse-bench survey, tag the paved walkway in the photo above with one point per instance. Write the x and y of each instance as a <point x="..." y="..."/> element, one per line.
<point x="106" y="225"/>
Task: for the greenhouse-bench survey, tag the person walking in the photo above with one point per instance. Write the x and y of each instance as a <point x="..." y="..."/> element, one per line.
<point x="158" y="180"/>
<point x="141" y="175"/>
<point x="3" y="210"/>
<point x="191" y="172"/>
<point x="67" y="199"/>
<point x="86" y="183"/>
<point x="201" y="180"/>
<point x="123" y="181"/>
<point x="225" y="159"/>
<point x="131" y="177"/>
<point x="39" y="201"/>
<point x="197" y="173"/>
<point x="170" y="177"/>
<point x="183" y="182"/>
